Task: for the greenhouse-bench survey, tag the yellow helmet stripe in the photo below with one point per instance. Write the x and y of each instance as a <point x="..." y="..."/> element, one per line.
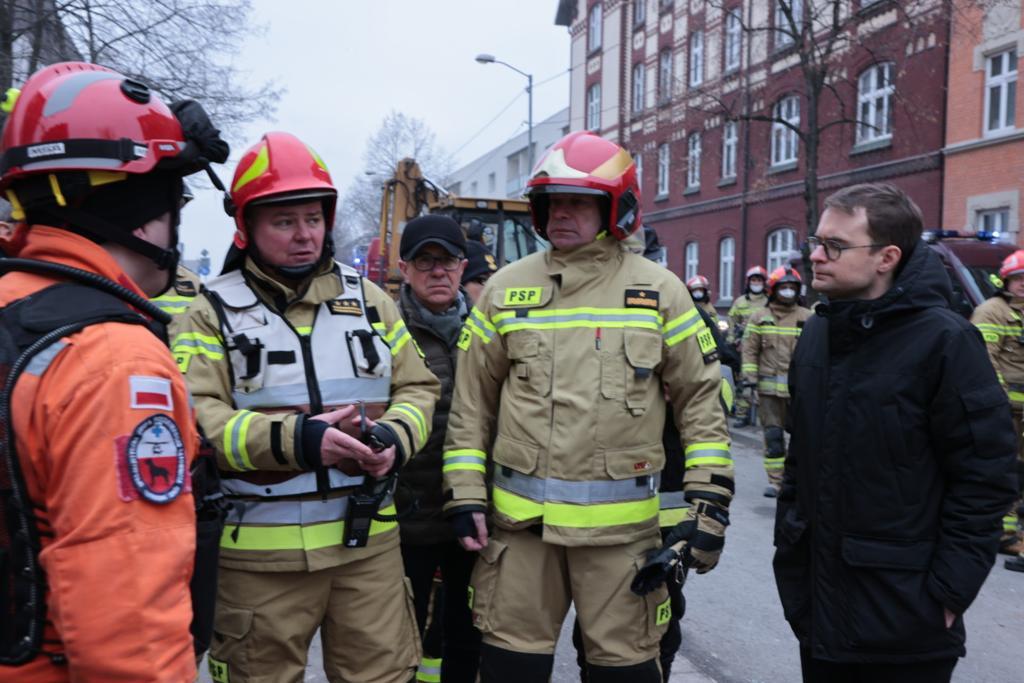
<point x="258" y="167"/>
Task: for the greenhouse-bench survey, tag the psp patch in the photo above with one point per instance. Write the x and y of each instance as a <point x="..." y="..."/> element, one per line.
<point x="151" y="461"/>
<point x="641" y="298"/>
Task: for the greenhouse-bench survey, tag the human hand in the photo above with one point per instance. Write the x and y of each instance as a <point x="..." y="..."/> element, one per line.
<point x="471" y="530"/>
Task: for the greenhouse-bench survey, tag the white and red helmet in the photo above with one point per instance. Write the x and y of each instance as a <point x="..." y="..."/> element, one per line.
<point x="698" y="282"/>
<point x="1012" y="265"/>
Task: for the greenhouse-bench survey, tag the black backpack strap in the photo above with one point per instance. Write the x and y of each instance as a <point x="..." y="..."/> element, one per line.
<point x="28" y="327"/>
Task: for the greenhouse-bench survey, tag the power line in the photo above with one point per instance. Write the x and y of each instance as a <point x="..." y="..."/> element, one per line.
<point x="488" y="124"/>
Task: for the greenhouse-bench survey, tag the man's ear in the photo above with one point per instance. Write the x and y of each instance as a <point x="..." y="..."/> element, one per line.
<point x="891" y="256"/>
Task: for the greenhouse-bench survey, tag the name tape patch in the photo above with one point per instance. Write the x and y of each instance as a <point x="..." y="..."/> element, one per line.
<point x="641" y="298"/>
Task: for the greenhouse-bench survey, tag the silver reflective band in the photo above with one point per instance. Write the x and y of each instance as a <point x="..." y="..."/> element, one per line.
<point x="291" y="511"/>
<point x="683" y="326"/>
<point x="214" y="348"/>
<point x="672" y="500"/>
<point x="297" y="485"/>
<point x="580" y="492"/>
<point x="532" y="319"/>
<point x="41" y="361"/>
<point x="332" y="392"/>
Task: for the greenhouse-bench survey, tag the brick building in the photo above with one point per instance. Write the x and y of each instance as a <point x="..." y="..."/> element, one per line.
<point x="669" y="80"/>
<point x="984" y="164"/>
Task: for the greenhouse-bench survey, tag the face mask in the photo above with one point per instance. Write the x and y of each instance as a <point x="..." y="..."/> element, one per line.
<point x="697" y="294"/>
<point x="787" y="293"/>
<point x="756" y="288"/>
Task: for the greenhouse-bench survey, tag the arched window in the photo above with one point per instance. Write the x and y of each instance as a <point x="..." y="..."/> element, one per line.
<point x="781" y="243"/>
<point x="726" y="267"/>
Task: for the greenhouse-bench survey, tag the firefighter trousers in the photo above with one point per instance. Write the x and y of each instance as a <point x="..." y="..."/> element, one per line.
<point x="772" y="410"/>
<point x="1013" y="525"/>
<point x="265" y="622"/>
<point x="521" y="589"/>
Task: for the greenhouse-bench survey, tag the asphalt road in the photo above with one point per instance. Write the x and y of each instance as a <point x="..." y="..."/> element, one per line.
<point x="734" y="631"/>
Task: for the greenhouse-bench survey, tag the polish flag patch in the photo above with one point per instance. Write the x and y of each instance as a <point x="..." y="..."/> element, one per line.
<point x="150" y="393"/>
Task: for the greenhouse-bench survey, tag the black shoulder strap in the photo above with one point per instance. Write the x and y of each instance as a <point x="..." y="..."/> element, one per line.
<point x="27" y="327"/>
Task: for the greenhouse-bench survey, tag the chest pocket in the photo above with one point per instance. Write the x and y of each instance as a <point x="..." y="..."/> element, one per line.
<point x="643" y="355"/>
<point x="528" y="349"/>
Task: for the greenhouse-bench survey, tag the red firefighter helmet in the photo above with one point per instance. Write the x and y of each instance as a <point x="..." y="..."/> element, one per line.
<point x="1012" y="265"/>
<point x="74" y="116"/>
<point x="780" y="275"/>
<point x="585" y="163"/>
<point x="755" y="271"/>
<point x="279" y="168"/>
<point x="698" y="282"/>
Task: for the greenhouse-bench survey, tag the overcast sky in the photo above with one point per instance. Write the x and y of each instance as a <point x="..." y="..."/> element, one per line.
<point x="347" y="63"/>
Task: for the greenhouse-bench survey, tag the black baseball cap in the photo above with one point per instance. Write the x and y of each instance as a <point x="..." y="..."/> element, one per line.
<point x="481" y="262"/>
<point x="431" y="229"/>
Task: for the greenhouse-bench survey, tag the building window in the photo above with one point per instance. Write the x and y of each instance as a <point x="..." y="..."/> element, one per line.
<point x="473" y="189"/>
<point x="874" y="104"/>
<point x="781" y="243"/>
<point x="594" y="107"/>
<point x="696" y="58"/>
<point x="639" y="84"/>
<point x="664" y="76"/>
<point x="638" y="159"/>
<point x="639" y="13"/>
<point x="492" y="183"/>
<point x="665" y="5"/>
<point x="786" y="116"/>
<point x="993" y="221"/>
<point x="692" y="260"/>
<point x="726" y="266"/>
<point x="1000" y="92"/>
<point x="693" y="161"/>
<point x="730" y="138"/>
<point x="594" y="28"/>
<point x="733" y="39"/>
<point x="663" y="169"/>
<point x="784" y="30"/>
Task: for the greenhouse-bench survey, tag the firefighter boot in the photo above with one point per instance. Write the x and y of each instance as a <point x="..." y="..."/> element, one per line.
<point x="1012" y="545"/>
<point x="1015" y="564"/>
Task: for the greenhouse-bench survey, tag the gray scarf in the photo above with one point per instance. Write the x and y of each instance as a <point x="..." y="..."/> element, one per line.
<point x="448" y="324"/>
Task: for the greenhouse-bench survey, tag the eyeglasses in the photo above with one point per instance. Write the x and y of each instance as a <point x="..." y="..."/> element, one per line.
<point x="426" y="263"/>
<point x="833" y="249"/>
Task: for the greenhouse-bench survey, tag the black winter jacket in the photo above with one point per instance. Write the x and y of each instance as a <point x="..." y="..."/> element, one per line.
<point x="900" y="467"/>
<point x="419" y="498"/>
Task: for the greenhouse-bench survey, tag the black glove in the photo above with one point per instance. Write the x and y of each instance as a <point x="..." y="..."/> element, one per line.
<point x="463" y="523"/>
<point x="381" y="436"/>
<point x="695" y="542"/>
<point x="203" y="142"/>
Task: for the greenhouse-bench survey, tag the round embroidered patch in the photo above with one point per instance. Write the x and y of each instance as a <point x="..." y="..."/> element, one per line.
<point x="155" y="457"/>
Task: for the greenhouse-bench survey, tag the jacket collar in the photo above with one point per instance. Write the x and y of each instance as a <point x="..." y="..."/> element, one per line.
<point x="322" y="286"/>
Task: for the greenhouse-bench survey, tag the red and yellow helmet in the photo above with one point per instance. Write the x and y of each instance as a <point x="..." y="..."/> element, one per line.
<point x="1012" y="265"/>
<point x="755" y="271"/>
<point x="698" y="282"/>
<point x="780" y="275"/>
<point x="279" y="168"/>
<point x="585" y="163"/>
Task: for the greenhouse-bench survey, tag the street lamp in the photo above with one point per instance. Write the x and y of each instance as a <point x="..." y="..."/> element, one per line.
<point x="490" y="59"/>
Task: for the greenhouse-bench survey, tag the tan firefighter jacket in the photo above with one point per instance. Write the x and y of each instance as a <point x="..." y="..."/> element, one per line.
<point x="179" y="295"/>
<point x="1000" y="321"/>
<point x="740" y="312"/>
<point x="768" y="344"/>
<point x="560" y="385"/>
<point x="256" y="375"/>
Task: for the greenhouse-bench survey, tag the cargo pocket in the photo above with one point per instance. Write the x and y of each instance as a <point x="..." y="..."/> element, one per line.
<point x="519" y="456"/>
<point x="531" y="364"/>
<point x="229" y="653"/>
<point x="887" y="603"/>
<point x="657" y="611"/>
<point x="483" y="585"/>
<point x="643" y="354"/>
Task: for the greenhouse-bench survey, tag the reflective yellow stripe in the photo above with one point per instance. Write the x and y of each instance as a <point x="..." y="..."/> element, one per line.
<point x="683" y="327"/>
<point x="256" y="169"/>
<point x="749" y="367"/>
<point x="235" y="432"/>
<point x="296" y="536"/>
<point x="672" y="516"/>
<point x="707" y="453"/>
<point x="429" y="670"/>
<point x="403" y="339"/>
<point x="1016" y="396"/>
<point x="464" y="459"/>
<point x="585" y="317"/>
<point x="1010" y="523"/>
<point x="304" y="330"/>
<point x="575" y="516"/>
<point x="775" y="463"/>
<point x="776" y="330"/>
<point x="417" y="416"/>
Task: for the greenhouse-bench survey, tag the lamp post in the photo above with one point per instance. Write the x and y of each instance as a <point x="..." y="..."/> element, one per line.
<point x="490" y="59"/>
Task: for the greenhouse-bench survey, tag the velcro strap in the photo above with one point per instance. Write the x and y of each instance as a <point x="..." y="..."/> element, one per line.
<point x="123" y="150"/>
